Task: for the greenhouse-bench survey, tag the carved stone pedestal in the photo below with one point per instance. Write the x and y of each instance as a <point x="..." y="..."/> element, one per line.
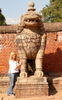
<point x="31" y="86"/>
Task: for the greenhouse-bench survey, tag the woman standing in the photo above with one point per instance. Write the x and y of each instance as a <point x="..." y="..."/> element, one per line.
<point x="13" y="72"/>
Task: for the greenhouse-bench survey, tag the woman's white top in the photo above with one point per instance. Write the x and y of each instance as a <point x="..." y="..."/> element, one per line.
<point x="12" y="66"/>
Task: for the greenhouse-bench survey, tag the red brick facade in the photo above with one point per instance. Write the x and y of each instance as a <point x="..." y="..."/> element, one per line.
<point x="7" y="44"/>
<point x="53" y="52"/>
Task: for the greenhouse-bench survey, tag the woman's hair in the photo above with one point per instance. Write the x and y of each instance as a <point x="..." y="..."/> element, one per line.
<point x="13" y="56"/>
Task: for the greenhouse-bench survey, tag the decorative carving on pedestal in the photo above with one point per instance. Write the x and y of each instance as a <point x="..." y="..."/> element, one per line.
<point x="31" y="41"/>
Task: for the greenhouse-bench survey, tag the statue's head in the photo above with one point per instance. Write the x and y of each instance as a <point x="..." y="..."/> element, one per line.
<point x="31" y="18"/>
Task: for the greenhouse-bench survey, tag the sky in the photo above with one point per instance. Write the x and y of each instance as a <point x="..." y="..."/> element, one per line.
<point x="13" y="9"/>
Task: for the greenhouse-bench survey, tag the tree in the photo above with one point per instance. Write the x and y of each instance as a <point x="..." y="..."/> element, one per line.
<point x="53" y="11"/>
<point x="2" y="18"/>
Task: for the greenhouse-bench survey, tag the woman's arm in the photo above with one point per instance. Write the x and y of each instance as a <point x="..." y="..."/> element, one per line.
<point x="18" y="66"/>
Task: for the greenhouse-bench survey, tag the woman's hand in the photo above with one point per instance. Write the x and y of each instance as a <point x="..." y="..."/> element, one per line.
<point x="18" y="66"/>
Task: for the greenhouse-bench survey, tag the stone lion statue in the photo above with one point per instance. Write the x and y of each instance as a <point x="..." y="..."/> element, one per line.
<point x="31" y="40"/>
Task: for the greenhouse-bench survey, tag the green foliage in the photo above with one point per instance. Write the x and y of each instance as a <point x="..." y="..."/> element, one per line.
<point x="2" y="19"/>
<point x="53" y="12"/>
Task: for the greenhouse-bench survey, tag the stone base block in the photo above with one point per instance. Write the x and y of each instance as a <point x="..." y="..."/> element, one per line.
<point x="4" y="83"/>
<point x="31" y="86"/>
<point x="55" y="85"/>
<point x="58" y="84"/>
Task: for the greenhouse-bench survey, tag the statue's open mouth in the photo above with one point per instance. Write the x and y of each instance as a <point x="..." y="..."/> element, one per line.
<point x="31" y="20"/>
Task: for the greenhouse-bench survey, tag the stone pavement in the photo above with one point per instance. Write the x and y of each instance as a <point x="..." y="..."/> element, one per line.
<point x="57" y="96"/>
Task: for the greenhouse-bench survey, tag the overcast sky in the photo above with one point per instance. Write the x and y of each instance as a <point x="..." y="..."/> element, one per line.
<point x="13" y="9"/>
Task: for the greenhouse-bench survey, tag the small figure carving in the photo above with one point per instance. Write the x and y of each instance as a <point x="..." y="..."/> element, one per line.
<point x="31" y="40"/>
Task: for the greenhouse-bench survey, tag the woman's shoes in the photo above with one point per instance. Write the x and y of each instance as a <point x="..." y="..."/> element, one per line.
<point x="13" y="95"/>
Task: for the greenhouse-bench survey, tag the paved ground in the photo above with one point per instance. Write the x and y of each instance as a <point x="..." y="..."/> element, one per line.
<point x="57" y="96"/>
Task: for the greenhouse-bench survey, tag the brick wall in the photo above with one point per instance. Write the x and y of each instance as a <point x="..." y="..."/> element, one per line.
<point x="53" y="52"/>
<point x="7" y="44"/>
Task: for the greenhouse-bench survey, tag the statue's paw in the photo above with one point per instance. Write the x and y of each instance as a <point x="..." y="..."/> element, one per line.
<point x="39" y="74"/>
<point x="23" y="74"/>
